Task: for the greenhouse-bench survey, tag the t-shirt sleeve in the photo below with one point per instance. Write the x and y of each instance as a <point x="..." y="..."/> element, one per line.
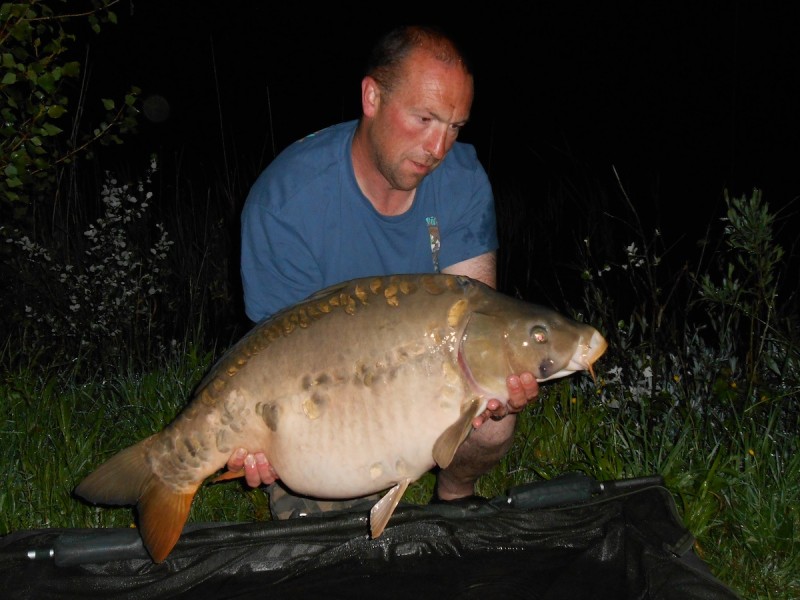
<point x="277" y="266"/>
<point x="470" y="225"/>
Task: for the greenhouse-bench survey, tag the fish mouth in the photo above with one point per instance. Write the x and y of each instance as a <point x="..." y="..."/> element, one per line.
<point x="584" y="358"/>
<point x="587" y="354"/>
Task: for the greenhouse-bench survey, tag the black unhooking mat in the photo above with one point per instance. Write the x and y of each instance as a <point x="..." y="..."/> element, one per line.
<point x="619" y="540"/>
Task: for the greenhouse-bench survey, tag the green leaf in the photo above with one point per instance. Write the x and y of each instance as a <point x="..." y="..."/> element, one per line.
<point x="51" y="129"/>
<point x="9" y="78"/>
<point x="8" y="60"/>
<point x="10" y="171"/>
<point x="47" y="82"/>
<point x="71" y="69"/>
<point x="56" y="111"/>
<point x="108" y="104"/>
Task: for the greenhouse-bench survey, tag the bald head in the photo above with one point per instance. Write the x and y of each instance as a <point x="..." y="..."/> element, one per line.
<point x="389" y="57"/>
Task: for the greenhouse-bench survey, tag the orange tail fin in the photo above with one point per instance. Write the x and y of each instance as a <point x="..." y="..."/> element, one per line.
<point x="126" y="479"/>
<point x="162" y="515"/>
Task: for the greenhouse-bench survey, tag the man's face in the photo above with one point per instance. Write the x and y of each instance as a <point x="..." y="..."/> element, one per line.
<point x="414" y="127"/>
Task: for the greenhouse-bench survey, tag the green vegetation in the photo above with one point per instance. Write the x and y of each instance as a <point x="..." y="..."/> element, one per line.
<point x="118" y="301"/>
<point x="38" y="79"/>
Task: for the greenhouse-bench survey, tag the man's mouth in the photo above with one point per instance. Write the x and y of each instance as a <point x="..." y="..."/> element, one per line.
<point x="423" y="166"/>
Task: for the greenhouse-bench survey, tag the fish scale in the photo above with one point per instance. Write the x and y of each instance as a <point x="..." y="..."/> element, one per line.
<point x="361" y="388"/>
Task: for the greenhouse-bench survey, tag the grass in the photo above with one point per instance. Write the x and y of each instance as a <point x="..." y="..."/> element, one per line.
<point x="58" y="429"/>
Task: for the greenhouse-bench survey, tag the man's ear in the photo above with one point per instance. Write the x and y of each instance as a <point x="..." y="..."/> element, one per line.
<point x="370" y="96"/>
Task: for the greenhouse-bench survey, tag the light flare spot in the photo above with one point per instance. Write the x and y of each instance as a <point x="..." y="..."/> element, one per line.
<point x="376" y="470"/>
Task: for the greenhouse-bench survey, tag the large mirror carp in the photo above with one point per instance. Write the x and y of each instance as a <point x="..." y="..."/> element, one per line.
<point x="363" y="387"/>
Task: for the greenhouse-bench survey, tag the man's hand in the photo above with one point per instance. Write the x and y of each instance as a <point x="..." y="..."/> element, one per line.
<point x="257" y="469"/>
<point x="522" y="389"/>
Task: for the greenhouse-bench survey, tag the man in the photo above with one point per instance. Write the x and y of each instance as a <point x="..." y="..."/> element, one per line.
<point x="391" y="193"/>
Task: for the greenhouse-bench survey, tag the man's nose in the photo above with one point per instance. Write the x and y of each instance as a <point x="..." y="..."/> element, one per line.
<point x="436" y="144"/>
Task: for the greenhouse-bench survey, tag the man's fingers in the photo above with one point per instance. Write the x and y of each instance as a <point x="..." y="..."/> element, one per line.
<point x="236" y="461"/>
<point x="251" y="475"/>
<point x="521" y="390"/>
<point x="265" y="470"/>
<point x="529" y="385"/>
<point x="257" y="469"/>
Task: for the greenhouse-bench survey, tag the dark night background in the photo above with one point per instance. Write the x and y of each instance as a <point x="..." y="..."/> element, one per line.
<point x="683" y="99"/>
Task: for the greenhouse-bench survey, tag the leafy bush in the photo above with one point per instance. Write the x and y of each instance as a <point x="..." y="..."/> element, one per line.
<point x="35" y="82"/>
<point x="101" y="304"/>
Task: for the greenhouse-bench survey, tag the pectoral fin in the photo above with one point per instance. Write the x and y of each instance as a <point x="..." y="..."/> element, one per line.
<point x="227" y="475"/>
<point x="445" y="447"/>
<point x="384" y="508"/>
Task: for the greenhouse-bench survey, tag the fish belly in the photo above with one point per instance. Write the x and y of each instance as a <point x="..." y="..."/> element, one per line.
<point x="358" y="439"/>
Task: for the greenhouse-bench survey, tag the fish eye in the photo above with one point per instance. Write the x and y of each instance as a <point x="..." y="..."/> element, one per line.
<point x="539" y="334"/>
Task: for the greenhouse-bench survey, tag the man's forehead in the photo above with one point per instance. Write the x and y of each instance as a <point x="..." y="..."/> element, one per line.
<point x="443" y="89"/>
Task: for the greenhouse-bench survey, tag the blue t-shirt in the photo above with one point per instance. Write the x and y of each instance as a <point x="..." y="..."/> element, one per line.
<point x="307" y="225"/>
